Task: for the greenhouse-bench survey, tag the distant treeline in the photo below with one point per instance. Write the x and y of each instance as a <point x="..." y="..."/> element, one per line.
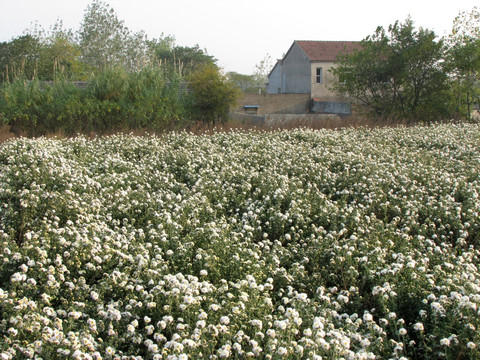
<point x="101" y="42"/>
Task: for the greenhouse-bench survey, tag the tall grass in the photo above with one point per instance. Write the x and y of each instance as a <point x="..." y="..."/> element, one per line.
<point x="114" y="100"/>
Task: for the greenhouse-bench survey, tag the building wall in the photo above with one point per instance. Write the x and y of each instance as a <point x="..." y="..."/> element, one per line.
<point x="275" y="80"/>
<point x="322" y="90"/>
<point x="297" y="75"/>
<point x="296" y="67"/>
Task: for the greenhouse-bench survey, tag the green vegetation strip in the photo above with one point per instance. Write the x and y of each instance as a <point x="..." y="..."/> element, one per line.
<point x="354" y="244"/>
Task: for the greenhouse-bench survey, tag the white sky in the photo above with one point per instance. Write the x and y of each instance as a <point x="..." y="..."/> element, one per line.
<point x="239" y="33"/>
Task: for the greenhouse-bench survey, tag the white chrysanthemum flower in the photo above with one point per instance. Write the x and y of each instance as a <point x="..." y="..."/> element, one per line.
<point x="345" y="341"/>
<point x="367" y="317"/>
<point x="281" y="324"/>
<point x="271" y="333"/>
<point x="201" y="324"/>
<point x="445" y="342"/>
<point x="214" y="307"/>
<point x="365" y="342"/>
<point x="224" y="351"/>
<point x="224" y="320"/>
<point x="418" y="327"/>
<point x="256" y="323"/>
<point x="188" y="299"/>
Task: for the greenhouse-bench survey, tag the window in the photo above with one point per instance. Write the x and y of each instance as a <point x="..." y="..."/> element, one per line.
<point x="318" y="77"/>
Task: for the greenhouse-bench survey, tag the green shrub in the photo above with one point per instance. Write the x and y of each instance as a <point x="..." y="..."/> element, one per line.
<point x="115" y="100"/>
<point x="213" y="94"/>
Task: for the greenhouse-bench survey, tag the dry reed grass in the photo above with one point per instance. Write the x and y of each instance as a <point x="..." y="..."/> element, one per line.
<point x="350" y="121"/>
<point x="200" y="128"/>
<point x="5" y="133"/>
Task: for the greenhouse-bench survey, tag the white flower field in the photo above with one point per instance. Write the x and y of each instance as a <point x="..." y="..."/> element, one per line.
<point x="300" y="244"/>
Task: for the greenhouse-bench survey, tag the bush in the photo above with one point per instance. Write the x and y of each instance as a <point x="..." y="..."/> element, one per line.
<point x="214" y="95"/>
<point x="34" y="107"/>
<point x="115" y="100"/>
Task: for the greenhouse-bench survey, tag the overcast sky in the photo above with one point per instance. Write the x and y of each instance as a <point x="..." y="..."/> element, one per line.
<point x="239" y="33"/>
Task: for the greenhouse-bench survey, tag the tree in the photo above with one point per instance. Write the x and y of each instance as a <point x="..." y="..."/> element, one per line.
<point x="181" y="60"/>
<point x="156" y="47"/>
<point x="105" y="40"/>
<point x="19" y="57"/>
<point x="262" y="69"/>
<point x="41" y="54"/>
<point x="247" y="84"/>
<point x="213" y="94"/>
<point x="464" y="61"/>
<point x="396" y="74"/>
<point x="60" y="54"/>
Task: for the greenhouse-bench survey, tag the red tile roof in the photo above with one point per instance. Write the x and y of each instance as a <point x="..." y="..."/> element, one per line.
<point x="326" y="50"/>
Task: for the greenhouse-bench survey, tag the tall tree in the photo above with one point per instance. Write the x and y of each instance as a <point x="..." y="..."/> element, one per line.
<point x="262" y="69"/>
<point x="247" y="84"/>
<point x="41" y="54"/>
<point x="105" y="40"/>
<point x="182" y="60"/>
<point x="19" y="57"/>
<point x="396" y="73"/>
<point x="60" y="54"/>
<point x="464" y="60"/>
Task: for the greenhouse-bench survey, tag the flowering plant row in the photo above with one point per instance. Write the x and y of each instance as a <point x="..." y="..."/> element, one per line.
<point x="353" y="244"/>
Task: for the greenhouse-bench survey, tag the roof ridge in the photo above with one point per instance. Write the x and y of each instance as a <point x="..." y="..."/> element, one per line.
<point x="327" y="40"/>
<point x="325" y="50"/>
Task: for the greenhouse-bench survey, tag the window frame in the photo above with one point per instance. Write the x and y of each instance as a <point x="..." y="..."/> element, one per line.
<point x="319" y="75"/>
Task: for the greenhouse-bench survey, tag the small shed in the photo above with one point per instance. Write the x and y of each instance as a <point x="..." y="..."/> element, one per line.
<point x="251" y="109"/>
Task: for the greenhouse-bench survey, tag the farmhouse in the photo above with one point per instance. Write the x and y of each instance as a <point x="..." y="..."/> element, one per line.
<point x="305" y="70"/>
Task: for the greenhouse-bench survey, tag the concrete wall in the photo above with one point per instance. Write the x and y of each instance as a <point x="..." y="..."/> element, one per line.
<point x="276" y="103"/>
<point x="331" y="107"/>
